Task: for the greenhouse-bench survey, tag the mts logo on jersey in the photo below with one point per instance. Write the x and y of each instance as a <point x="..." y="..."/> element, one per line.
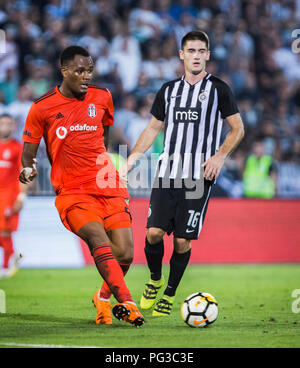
<point x="186" y="115"/>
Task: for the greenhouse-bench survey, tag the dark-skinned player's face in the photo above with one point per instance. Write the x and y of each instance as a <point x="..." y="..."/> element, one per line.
<point x="77" y="74"/>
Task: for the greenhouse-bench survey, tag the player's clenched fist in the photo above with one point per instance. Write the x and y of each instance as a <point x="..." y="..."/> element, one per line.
<point x="28" y="173"/>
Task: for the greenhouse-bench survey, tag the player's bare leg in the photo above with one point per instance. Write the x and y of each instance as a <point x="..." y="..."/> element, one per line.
<point x="99" y="244"/>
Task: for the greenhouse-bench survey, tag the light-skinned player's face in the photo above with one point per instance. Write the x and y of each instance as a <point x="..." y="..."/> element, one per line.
<point x="7" y="127"/>
<point x="194" y="56"/>
<point x="78" y="74"/>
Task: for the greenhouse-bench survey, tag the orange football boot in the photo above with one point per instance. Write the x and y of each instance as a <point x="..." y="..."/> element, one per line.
<point x="128" y="312"/>
<point x="103" y="310"/>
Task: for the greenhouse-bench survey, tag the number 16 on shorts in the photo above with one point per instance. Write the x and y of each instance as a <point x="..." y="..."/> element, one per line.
<point x="193" y="220"/>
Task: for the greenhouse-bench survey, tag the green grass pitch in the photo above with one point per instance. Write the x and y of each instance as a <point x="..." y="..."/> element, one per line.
<point x="53" y="307"/>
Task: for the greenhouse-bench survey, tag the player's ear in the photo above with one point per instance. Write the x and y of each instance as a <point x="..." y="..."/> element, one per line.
<point x="181" y="54"/>
<point x="208" y="55"/>
<point x="64" y="70"/>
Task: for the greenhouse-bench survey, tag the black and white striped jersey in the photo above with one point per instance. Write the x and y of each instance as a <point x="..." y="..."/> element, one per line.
<point x="193" y="117"/>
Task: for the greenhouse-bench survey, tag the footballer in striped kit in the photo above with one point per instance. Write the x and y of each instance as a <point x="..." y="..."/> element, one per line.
<point x="190" y="110"/>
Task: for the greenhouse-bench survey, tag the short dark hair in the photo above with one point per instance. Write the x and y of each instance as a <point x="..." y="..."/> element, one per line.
<point x="195" y="35"/>
<point x="70" y="52"/>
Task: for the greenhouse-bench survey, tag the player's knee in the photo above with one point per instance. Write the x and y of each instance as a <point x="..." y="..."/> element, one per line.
<point x="93" y="241"/>
<point x="182" y="245"/>
<point x="123" y="255"/>
<point x="126" y="259"/>
<point x="155" y="235"/>
<point x="93" y="235"/>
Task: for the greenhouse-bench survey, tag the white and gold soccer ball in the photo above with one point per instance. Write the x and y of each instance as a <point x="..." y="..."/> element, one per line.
<point x="199" y="310"/>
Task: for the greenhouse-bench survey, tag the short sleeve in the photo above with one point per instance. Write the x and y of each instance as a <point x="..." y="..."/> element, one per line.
<point x="227" y="104"/>
<point x="158" y="107"/>
<point x="34" y="126"/>
<point x="108" y="118"/>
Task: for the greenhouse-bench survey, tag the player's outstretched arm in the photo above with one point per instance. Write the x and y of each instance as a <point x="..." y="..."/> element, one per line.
<point x="142" y="145"/>
<point x="29" y="171"/>
<point x="215" y="163"/>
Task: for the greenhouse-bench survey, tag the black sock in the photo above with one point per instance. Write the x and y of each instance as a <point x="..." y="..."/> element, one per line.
<point x="178" y="264"/>
<point x="154" y="254"/>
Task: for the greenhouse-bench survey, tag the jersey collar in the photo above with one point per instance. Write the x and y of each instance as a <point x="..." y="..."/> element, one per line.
<point x="67" y="98"/>
<point x="201" y="80"/>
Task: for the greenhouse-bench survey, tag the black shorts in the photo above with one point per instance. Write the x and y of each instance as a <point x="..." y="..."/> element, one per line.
<point x="171" y="211"/>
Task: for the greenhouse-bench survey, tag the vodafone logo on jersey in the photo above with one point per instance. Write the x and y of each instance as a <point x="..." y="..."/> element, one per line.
<point x="61" y="132"/>
<point x="85" y="127"/>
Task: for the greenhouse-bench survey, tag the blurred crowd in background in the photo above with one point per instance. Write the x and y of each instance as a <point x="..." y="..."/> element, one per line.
<point x="135" y="43"/>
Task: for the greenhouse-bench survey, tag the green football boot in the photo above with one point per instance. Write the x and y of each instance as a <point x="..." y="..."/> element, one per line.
<point x="150" y="293"/>
<point x="163" y="306"/>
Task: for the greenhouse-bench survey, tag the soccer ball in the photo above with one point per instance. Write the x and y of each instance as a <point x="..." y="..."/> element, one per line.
<point x="199" y="310"/>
